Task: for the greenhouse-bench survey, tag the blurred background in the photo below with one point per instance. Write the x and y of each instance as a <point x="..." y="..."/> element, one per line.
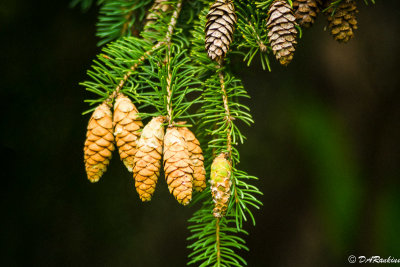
<point x="325" y="146"/>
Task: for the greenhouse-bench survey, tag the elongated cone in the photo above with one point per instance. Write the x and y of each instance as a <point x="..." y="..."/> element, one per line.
<point x="221" y="184"/>
<point x="147" y="161"/>
<point x="306" y="11"/>
<point x="196" y="156"/>
<point x="343" y="22"/>
<point x="178" y="167"/>
<point x="221" y="20"/>
<point x="99" y="143"/>
<point x="282" y="31"/>
<point x="127" y="125"/>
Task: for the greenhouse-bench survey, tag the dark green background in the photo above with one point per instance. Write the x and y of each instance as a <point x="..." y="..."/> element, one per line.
<point x="325" y="146"/>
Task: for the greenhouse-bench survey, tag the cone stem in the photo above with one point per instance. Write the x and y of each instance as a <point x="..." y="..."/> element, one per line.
<point x="217" y="242"/>
<point x="168" y="38"/>
<point x="228" y="118"/>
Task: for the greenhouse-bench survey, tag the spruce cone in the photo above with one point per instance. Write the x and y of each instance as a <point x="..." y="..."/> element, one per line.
<point x="99" y="143"/>
<point x="147" y="161"/>
<point x="343" y="22"/>
<point x="220" y="184"/>
<point x="306" y="11"/>
<point x="127" y="125"/>
<point x="221" y="20"/>
<point x="197" y="158"/>
<point x="178" y="167"/>
<point x="281" y="31"/>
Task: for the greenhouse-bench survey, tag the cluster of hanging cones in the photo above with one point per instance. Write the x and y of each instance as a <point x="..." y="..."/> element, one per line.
<point x="143" y="149"/>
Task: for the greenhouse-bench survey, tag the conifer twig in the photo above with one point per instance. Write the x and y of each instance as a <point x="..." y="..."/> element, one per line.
<point x="167" y="41"/>
<point x="169" y="96"/>
<point x="228" y="120"/>
<point x="260" y="43"/>
<point x="217" y="242"/>
<point x="168" y="38"/>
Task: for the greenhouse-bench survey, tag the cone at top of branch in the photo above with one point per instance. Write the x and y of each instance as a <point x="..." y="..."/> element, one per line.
<point x="178" y="167"/>
<point x="196" y="156"/>
<point x="306" y="11"/>
<point x="221" y="20"/>
<point x="343" y="22"/>
<point x="99" y="143"/>
<point x="282" y="31"/>
<point x="221" y="183"/>
<point x="127" y="126"/>
<point x="147" y="160"/>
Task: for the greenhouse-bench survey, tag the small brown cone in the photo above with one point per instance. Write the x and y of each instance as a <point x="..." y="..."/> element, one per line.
<point x="178" y="167"/>
<point x="282" y="31"/>
<point x="343" y="22"/>
<point x="147" y="161"/>
<point x="306" y="11"/>
<point x="221" y="184"/>
<point x="221" y="20"/>
<point x="197" y="158"/>
<point x="99" y="143"/>
<point x="127" y="125"/>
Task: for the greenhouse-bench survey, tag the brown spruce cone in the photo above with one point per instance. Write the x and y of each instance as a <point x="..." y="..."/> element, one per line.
<point x="147" y="161"/>
<point x="343" y="22"/>
<point x="99" y="143"/>
<point x="178" y="167"/>
<point x="281" y="31"/>
<point x="221" y="20"/>
<point x="127" y="125"/>
<point x="306" y="11"/>
<point x="221" y="184"/>
<point x="197" y="158"/>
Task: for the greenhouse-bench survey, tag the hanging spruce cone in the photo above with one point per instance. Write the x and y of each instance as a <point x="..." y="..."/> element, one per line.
<point x="281" y="31"/>
<point x="221" y="20"/>
<point x="306" y="11"/>
<point x="99" y="143"/>
<point x="343" y="22"/>
<point x="196" y="156"/>
<point x="147" y="161"/>
<point x="177" y="166"/>
<point x="127" y="125"/>
<point x="221" y="184"/>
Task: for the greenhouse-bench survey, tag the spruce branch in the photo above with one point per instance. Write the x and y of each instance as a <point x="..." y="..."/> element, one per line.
<point x="167" y="71"/>
<point x="141" y="59"/>
<point x="131" y="71"/>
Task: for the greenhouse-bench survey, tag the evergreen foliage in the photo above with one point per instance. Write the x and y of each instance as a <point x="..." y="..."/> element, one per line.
<point x="164" y="68"/>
